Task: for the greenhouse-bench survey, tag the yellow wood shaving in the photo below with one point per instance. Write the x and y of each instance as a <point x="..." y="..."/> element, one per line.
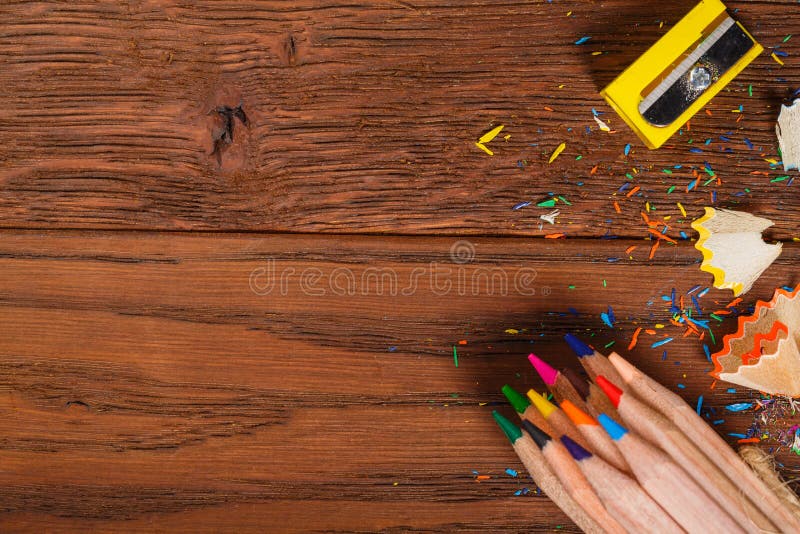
<point x="557" y="151"/>
<point x="484" y="148"/>
<point x="491" y="134"/>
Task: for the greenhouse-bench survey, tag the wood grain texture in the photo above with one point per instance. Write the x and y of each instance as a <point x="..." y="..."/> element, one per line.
<point x="150" y="381"/>
<point x="239" y="241"/>
<point x="361" y="117"/>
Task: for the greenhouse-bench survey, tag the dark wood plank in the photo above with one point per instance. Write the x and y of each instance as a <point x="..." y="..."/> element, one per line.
<point x="361" y="117"/>
<point x="144" y="384"/>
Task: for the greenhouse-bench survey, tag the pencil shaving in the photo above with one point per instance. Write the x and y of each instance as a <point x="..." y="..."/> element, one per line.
<point x="763" y="353"/>
<point x="788" y="132"/>
<point x="732" y="247"/>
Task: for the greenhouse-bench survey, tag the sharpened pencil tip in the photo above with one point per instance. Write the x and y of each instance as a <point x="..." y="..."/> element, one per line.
<point x="577" y="452"/>
<point x="516" y="399"/>
<point x="580" y="348"/>
<point x="545" y="370"/>
<point x="614" y="429"/>
<point x="539" y="436"/>
<point x="544" y="406"/>
<point x="576" y="415"/>
<point x="512" y="431"/>
<point x="611" y="391"/>
<point x="580" y="385"/>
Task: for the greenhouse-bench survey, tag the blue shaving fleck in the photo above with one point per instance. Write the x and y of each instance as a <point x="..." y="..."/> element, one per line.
<point x="739" y="406"/>
<point x="659" y="343"/>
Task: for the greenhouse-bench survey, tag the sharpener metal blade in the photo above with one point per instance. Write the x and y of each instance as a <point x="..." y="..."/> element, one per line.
<point x="701" y="69"/>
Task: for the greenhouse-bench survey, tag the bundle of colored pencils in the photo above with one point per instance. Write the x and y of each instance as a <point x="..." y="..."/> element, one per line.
<point x="621" y="453"/>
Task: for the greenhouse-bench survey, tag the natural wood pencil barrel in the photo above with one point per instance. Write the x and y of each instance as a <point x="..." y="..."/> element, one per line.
<point x="720" y="453"/>
<point x="661" y="432"/>
<point x="596" y="401"/>
<point x="533" y="460"/>
<point x="670" y="486"/>
<point x="557" y="419"/>
<point x="591" y="430"/>
<point x="572" y="478"/>
<point x="622" y="496"/>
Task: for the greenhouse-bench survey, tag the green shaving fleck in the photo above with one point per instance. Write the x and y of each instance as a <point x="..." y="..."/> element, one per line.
<point x="547" y="203"/>
<point x="671" y="189"/>
<point x="455" y="356"/>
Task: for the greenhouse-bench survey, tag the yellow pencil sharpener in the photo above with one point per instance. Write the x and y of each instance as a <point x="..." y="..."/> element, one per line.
<point x="681" y="72"/>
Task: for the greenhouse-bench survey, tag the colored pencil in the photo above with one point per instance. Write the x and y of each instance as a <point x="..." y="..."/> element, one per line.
<point x="600" y="441"/>
<point x="669" y="485"/>
<point x="621" y="495"/>
<point x="559" y="386"/>
<point x="657" y="429"/>
<point x="720" y="453"/>
<point x="573" y="479"/>
<point x="533" y="460"/>
<point x="557" y="419"/>
<point x="591" y="360"/>
<point x="525" y="409"/>
<point x="595" y="399"/>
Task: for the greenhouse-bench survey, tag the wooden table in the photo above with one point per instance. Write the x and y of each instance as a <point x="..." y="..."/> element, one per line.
<point x="241" y="241"/>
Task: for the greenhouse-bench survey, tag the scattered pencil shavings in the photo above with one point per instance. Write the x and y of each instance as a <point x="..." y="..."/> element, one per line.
<point x="732" y="248"/>
<point x="763" y="354"/>
<point x="788" y="131"/>
<point x="487" y="137"/>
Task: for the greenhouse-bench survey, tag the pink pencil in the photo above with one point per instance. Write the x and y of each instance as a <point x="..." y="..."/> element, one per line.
<point x="557" y="383"/>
